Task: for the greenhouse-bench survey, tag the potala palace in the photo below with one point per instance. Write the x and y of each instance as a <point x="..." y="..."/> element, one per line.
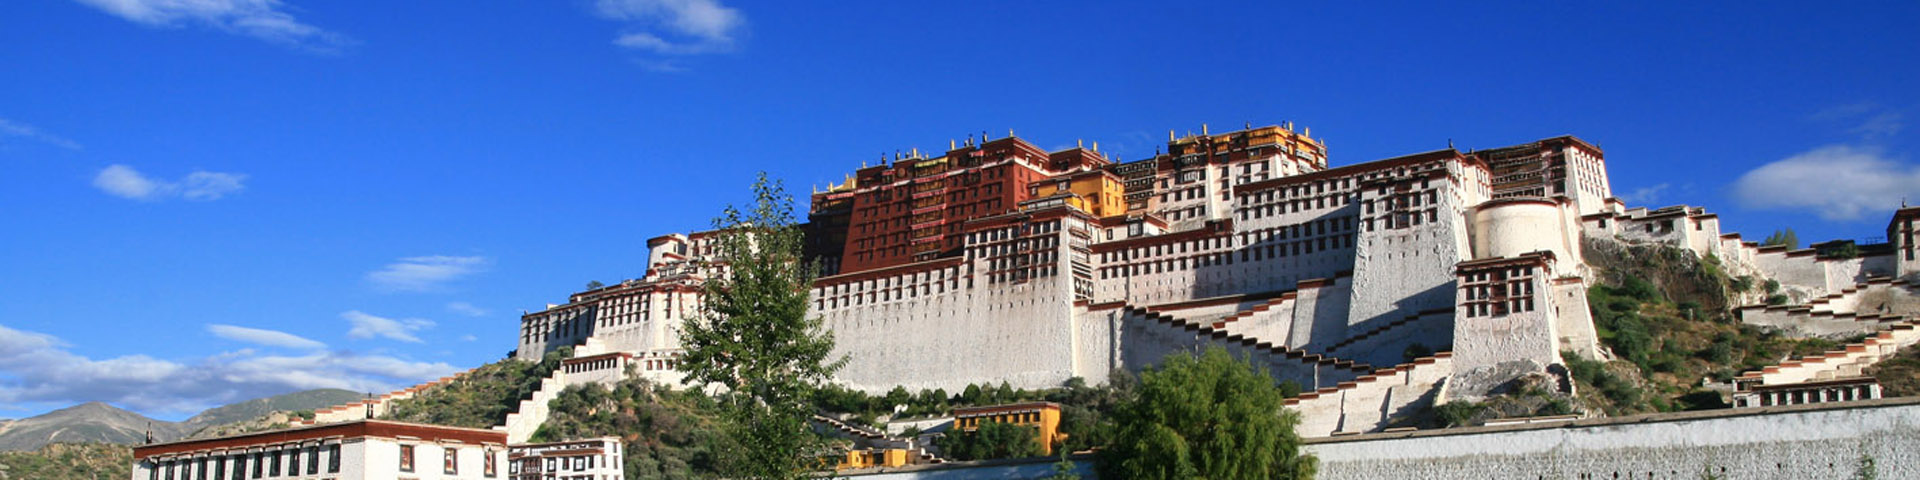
<point x="1000" y="261"/>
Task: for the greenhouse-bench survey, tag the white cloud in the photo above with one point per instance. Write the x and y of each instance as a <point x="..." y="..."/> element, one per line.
<point x="271" y="338"/>
<point x="1836" y="182"/>
<point x="468" y="338"/>
<point x="695" y="26"/>
<point x="420" y="274"/>
<point x="1644" y="195"/>
<point x="38" y="368"/>
<point x="1866" y="119"/>
<point x="263" y="19"/>
<point x="125" y="182"/>
<point x="1879" y="125"/>
<point x="465" y="308"/>
<point x="210" y="185"/>
<point x="369" y="326"/>
<point x="9" y="128"/>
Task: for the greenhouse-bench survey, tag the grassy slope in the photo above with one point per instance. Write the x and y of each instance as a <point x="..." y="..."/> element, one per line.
<point x="481" y="398"/>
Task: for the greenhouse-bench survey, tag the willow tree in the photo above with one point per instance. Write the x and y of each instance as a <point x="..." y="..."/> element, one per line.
<point x="1212" y="417"/>
<point x="753" y="337"/>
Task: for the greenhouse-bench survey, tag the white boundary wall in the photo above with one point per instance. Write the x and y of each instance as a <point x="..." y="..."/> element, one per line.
<point x="1808" y="441"/>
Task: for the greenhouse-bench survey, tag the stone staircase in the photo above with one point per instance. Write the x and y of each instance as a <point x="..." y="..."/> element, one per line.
<point x="381" y="405"/>
<point x="1306" y="368"/>
<point x="1849" y="361"/>
<point x="1367" y="403"/>
<point x="533" y="410"/>
<point x="1393" y="326"/>
<point x="1848" y="299"/>
<point x="1257" y="321"/>
<point x="1838" y="314"/>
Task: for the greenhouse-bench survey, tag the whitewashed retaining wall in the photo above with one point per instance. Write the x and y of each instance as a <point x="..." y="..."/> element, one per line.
<point x="1795" y="442"/>
<point x="1023" y="334"/>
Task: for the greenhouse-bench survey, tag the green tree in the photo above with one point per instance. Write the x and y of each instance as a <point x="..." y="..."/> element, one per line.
<point x="593" y="284"/>
<point x="1783" y="237"/>
<point x="993" y="440"/>
<point x="754" y="338"/>
<point x="898" y="396"/>
<point x="1212" y="417"/>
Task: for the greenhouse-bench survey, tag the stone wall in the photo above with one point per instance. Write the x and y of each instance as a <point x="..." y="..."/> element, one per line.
<point x="1507" y="323"/>
<point x="1800" y="273"/>
<point x="1022" y="334"/>
<point x="1371" y="401"/>
<point x="1320" y="314"/>
<point x="1850" y="360"/>
<point x="1403" y="272"/>
<point x="1795" y="442"/>
<point x="1574" y="318"/>
<point x="1387" y="344"/>
<point x="1864" y="308"/>
<point x="1146" y="337"/>
<point x="1799" y="322"/>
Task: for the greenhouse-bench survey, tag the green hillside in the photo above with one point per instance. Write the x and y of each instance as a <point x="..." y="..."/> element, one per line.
<point x="480" y="399"/>
<point x="667" y="434"/>
<point x="1664" y="314"/>
<point x="68" y="461"/>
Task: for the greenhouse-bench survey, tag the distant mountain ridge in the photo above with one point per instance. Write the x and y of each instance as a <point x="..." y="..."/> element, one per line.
<point x="96" y="422"/>
<point x="251" y="409"/>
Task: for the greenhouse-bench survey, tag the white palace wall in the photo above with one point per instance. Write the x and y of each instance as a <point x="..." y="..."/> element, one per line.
<point x="1320" y="314"/>
<point x="1507" y="324"/>
<point x="1021" y="334"/>
<point x="1573" y="317"/>
<point x="1004" y="312"/>
<point x="1405" y="260"/>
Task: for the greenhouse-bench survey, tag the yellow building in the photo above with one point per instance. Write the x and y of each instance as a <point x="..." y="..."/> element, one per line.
<point x="1098" y="192"/>
<point x="889" y="457"/>
<point x="1045" y="416"/>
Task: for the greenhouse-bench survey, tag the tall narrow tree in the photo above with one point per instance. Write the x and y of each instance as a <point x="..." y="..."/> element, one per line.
<point x="753" y="336"/>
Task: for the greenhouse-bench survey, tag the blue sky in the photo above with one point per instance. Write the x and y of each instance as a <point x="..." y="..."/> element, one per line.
<point x="217" y="200"/>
